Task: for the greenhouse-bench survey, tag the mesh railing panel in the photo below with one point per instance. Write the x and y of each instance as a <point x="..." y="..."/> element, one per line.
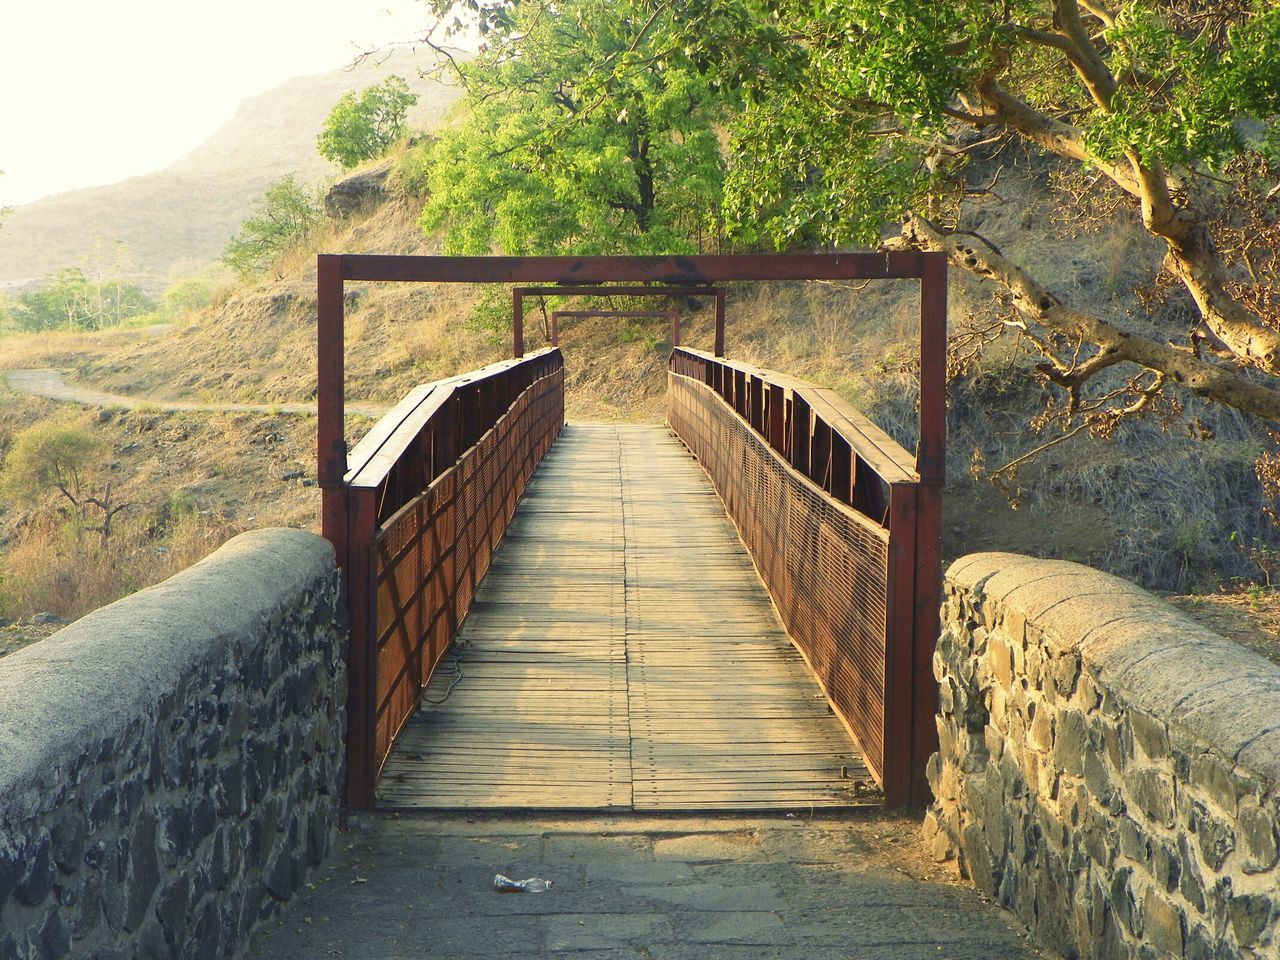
<point x="826" y="567"/>
<point x="434" y="551"/>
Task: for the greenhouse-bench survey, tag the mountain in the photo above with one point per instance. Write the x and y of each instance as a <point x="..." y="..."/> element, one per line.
<point x="179" y="219"/>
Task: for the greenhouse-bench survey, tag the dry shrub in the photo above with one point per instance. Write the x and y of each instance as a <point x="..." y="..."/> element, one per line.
<point x="55" y="568"/>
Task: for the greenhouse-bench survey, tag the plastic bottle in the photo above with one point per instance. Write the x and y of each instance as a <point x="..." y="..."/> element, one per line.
<point x="504" y="884"/>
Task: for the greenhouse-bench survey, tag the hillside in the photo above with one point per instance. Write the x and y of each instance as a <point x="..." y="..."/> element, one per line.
<point x="180" y="218"/>
<point x="1155" y="505"/>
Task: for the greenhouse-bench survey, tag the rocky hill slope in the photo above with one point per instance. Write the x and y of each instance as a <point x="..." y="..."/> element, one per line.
<point x="179" y="219"/>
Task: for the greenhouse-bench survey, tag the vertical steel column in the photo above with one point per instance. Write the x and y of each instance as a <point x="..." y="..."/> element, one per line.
<point x="900" y="703"/>
<point x="719" y="342"/>
<point x="362" y="653"/>
<point x="517" y="324"/>
<point x="931" y="465"/>
<point x="331" y="448"/>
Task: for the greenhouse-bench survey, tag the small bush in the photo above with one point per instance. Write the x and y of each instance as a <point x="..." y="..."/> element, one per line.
<point x="284" y="218"/>
<point x="362" y="127"/>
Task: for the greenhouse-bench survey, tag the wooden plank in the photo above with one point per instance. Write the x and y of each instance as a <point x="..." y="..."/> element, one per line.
<point x="623" y="654"/>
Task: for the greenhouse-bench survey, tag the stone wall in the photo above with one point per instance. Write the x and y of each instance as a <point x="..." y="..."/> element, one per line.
<point x="170" y="765"/>
<point x="1108" y="768"/>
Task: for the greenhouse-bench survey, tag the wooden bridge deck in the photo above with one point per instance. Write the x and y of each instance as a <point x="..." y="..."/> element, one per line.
<point x="622" y="653"/>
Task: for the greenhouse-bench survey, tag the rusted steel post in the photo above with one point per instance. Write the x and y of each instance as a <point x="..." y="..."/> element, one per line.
<point x="517" y="324"/>
<point x="931" y="465"/>
<point x="719" y="343"/>
<point x="777" y="418"/>
<point x="900" y="704"/>
<point x="798" y="447"/>
<point x="675" y="329"/>
<point x="362" y="663"/>
<point x="331" y="447"/>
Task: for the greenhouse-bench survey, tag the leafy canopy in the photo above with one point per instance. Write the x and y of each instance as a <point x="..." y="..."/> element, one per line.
<point x="361" y="127"/>
<point x="51" y="455"/>
<point x="558" y="155"/>
<point x="285" y="217"/>
<point x="69" y="300"/>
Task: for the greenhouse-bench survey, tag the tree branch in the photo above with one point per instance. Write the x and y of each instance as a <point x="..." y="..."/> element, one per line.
<point x="1034" y="301"/>
<point x="1088" y="63"/>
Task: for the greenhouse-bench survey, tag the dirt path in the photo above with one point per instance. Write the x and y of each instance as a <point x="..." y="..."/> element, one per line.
<point x="49" y="383"/>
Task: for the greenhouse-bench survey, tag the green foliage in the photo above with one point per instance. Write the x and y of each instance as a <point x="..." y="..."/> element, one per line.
<point x="284" y="217"/>
<point x="1192" y="87"/>
<point x="845" y="103"/>
<point x="69" y="300"/>
<point x="362" y="127"/>
<point x="188" y="296"/>
<point x="52" y="455"/>
<point x="583" y="137"/>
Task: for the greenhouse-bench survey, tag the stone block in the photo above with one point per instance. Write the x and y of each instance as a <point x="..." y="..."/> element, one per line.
<point x="1257" y="835"/>
<point x="1250" y="915"/>
<point x="1150" y="734"/>
<point x="1166" y="865"/>
<point x="1163" y="924"/>
<point x="1040" y="733"/>
<point x="171" y="908"/>
<point x="67" y="840"/>
<point x="1065" y="671"/>
<point x="1191" y="879"/>
<point x="38" y="878"/>
<point x="52" y="939"/>
<point x="144" y="872"/>
<point x="1071" y="742"/>
<point x="1152" y="793"/>
<point x="1216" y="837"/>
<point x="1000" y="660"/>
<point x="1218" y="780"/>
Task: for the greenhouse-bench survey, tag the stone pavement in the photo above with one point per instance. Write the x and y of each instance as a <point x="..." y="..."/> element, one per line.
<point x="661" y="888"/>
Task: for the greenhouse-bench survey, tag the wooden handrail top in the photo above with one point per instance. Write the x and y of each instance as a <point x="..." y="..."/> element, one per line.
<point x="869" y="443"/>
<point x="374" y="456"/>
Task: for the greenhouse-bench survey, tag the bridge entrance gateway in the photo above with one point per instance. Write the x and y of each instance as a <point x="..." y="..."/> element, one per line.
<point x="623" y="651"/>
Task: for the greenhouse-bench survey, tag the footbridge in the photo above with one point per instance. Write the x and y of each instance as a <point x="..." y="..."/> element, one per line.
<point x="733" y="611"/>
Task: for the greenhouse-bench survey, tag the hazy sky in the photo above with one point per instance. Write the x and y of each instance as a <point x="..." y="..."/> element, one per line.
<point x="92" y="92"/>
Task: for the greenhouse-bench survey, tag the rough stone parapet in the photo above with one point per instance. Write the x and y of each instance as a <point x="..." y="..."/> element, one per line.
<point x="170" y="765"/>
<point x="1108" y="769"/>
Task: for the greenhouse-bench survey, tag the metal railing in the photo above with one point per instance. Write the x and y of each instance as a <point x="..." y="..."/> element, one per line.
<point x="428" y="495"/>
<point x="832" y="510"/>
<point x="425" y="497"/>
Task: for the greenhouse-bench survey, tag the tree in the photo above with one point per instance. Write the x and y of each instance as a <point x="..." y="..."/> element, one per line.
<point x="863" y="120"/>
<point x="68" y="300"/>
<point x="284" y="217"/>
<point x="63" y="458"/>
<point x="362" y="127"/>
<point x="188" y="296"/>
<point x="558" y="158"/>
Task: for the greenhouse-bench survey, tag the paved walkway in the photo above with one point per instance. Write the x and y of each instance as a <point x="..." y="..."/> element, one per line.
<point x="623" y="653"/>
<point x="633" y="887"/>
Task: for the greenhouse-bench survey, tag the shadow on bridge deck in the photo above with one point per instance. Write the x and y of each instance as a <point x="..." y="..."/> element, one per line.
<point x="623" y="654"/>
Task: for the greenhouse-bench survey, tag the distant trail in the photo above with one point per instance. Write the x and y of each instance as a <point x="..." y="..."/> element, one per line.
<point x="49" y="383"/>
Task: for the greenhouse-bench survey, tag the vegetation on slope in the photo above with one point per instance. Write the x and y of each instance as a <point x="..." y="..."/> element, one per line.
<point x="584" y="155"/>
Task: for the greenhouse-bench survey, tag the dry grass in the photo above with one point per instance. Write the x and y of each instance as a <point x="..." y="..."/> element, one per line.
<point x="194" y="481"/>
<point x="1250" y="617"/>
<point x="1154" y="507"/>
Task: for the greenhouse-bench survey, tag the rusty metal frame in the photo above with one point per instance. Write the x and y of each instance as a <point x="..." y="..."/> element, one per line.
<point x="673" y="316"/>
<point x="351" y="526"/>
<point x="519" y="293"/>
